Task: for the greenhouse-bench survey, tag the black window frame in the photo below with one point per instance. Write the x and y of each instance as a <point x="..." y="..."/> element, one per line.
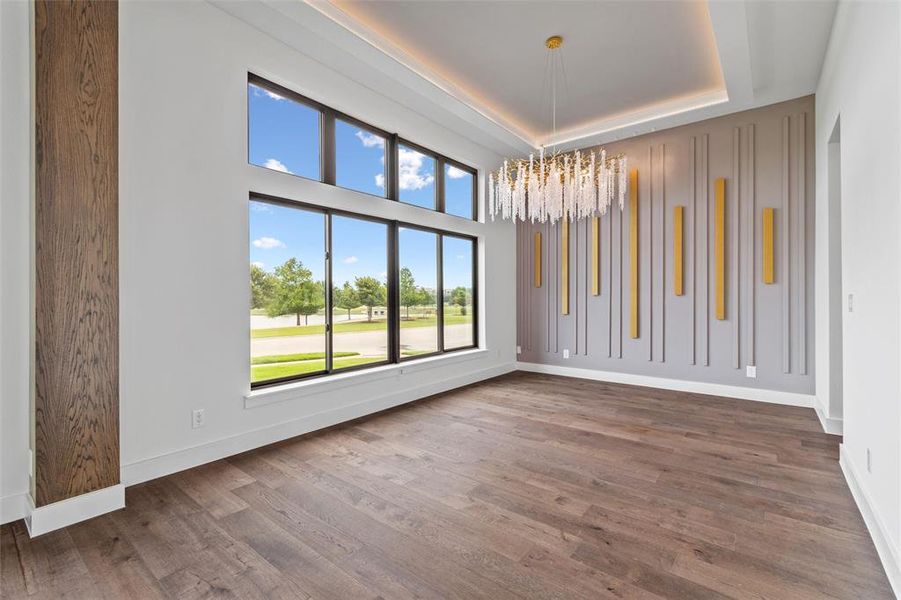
<point x="393" y="288"/>
<point x="328" y="154"/>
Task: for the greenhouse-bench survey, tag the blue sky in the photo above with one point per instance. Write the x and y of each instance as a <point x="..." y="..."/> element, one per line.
<point x="284" y="135"/>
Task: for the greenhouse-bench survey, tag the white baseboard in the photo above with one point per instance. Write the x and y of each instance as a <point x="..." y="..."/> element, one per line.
<point x="712" y="389"/>
<point x="74" y="510"/>
<point x="888" y="554"/>
<point x="159" y="466"/>
<point x="14" y="507"/>
<point x="829" y="424"/>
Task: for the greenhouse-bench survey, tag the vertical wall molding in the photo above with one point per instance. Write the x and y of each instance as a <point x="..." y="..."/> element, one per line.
<point x="734" y="248"/>
<point x="586" y="283"/>
<point x="802" y="243"/>
<point x="633" y="254"/>
<point x="564" y="267"/>
<point x="661" y="261"/>
<point x="548" y="309"/>
<point x="76" y="270"/>
<point x="703" y="272"/>
<point x="649" y="241"/>
<point x="609" y="219"/>
<point x="785" y="249"/>
<point x="619" y="284"/>
<point x="595" y="256"/>
<point x="750" y="262"/>
<point x="537" y="259"/>
<point x="693" y="193"/>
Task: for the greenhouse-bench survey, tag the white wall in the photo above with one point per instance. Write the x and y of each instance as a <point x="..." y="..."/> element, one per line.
<point x="860" y="84"/>
<point x="184" y="183"/>
<point x="15" y="243"/>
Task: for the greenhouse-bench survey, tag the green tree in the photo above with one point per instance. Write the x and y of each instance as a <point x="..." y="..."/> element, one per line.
<point x="409" y="294"/>
<point x="346" y="297"/>
<point x="295" y="292"/>
<point x="460" y="297"/>
<point x="262" y="287"/>
<point x="371" y="292"/>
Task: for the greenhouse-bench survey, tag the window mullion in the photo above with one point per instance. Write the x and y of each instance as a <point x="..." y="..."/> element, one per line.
<point x="439" y="294"/>
<point x="439" y="187"/>
<point x="328" y="147"/>
<point x="393" y="294"/>
<point x="329" y="312"/>
<point x="392" y="167"/>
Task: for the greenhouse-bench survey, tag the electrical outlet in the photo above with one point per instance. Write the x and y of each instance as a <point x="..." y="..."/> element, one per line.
<point x="565" y="353"/>
<point x="198" y="418"/>
<point x="519" y="349"/>
<point x="869" y="462"/>
<point x="850" y="302"/>
<point x="751" y="371"/>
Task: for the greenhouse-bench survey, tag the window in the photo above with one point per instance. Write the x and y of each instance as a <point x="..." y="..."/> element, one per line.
<point x="359" y="159"/>
<point x="359" y="292"/>
<point x="418" y="290"/>
<point x="283" y="134"/>
<point x="459" y="296"/>
<point x="398" y="291"/>
<point x="293" y="134"/>
<point x="416" y="177"/>
<point x="459" y="187"/>
<point x="334" y="290"/>
<point x="287" y="284"/>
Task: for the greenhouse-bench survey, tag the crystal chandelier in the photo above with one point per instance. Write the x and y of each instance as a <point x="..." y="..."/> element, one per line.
<point x="571" y="185"/>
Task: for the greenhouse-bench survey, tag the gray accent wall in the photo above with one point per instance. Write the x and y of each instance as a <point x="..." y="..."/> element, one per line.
<point x="767" y="157"/>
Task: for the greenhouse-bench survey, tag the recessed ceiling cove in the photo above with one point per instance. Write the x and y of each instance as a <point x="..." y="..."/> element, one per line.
<point x="623" y="61"/>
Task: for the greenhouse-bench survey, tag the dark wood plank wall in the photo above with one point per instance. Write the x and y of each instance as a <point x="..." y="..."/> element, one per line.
<point x="76" y="417"/>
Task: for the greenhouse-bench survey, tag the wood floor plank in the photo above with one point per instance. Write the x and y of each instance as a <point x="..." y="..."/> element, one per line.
<point x="523" y="486"/>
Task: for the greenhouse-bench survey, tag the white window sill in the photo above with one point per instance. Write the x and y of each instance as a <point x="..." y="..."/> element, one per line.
<point x="298" y="389"/>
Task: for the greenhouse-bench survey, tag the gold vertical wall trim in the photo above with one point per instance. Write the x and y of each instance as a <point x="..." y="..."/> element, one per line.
<point x="633" y="252"/>
<point x="595" y="256"/>
<point x="538" y="259"/>
<point x="677" y="250"/>
<point x="720" y="247"/>
<point x="768" y="250"/>
<point x="564" y="268"/>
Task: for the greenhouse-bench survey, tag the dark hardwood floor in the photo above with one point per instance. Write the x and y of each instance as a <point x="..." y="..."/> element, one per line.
<point x="525" y="486"/>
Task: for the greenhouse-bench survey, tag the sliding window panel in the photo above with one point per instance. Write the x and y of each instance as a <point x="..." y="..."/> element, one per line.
<point x="416" y="177"/>
<point x="287" y="284"/>
<point x="359" y="292"/>
<point x="459" y="292"/>
<point x="360" y="159"/>
<point x="418" y="289"/>
<point x="458" y="191"/>
<point x="283" y="134"/>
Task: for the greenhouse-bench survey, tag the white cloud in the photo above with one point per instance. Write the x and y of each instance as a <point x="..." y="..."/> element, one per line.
<point x="370" y="140"/>
<point x="258" y="264"/>
<point x="350" y="260"/>
<point x="409" y="164"/>
<point x="267" y="243"/>
<point x="380" y="180"/>
<point x="455" y="173"/>
<point x="276" y="165"/>
<point x="258" y="91"/>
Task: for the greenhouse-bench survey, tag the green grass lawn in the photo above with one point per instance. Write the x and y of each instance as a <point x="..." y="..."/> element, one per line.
<point x="280" y="358"/>
<point x="267" y="372"/>
<point x="352" y="326"/>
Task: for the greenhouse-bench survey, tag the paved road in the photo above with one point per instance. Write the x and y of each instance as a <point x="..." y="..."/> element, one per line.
<point x="367" y="343"/>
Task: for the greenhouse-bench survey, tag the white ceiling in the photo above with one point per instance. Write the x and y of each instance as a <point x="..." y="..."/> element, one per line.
<point x="631" y="67"/>
<point x="618" y="56"/>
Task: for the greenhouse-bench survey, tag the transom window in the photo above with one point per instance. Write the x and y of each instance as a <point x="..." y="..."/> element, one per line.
<point x="299" y="136"/>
